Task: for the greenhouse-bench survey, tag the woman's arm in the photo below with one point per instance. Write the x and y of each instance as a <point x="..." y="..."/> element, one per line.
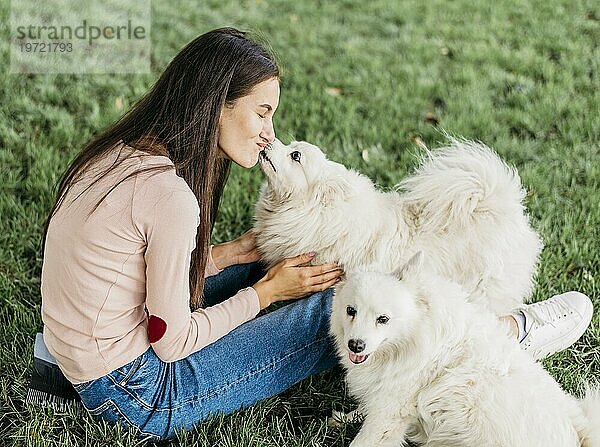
<point x="169" y="226"/>
<point x="174" y="332"/>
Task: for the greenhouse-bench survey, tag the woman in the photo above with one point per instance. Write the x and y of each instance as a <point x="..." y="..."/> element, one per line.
<point x="155" y="328"/>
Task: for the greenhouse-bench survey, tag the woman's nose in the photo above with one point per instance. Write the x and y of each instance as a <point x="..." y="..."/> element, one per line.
<point x="268" y="131"/>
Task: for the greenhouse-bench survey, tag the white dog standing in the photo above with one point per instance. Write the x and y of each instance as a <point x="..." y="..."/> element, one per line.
<point x="422" y="368"/>
<point x="463" y="207"/>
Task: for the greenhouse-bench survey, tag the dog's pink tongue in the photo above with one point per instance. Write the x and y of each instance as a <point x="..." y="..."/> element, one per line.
<point x="355" y="358"/>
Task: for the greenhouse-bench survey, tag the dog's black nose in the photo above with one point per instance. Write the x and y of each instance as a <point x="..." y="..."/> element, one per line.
<point x="356" y="346"/>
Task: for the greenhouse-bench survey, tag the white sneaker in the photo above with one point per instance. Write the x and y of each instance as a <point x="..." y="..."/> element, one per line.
<point x="556" y="323"/>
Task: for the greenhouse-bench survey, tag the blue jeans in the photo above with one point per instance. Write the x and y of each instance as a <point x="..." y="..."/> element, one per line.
<point x="258" y="359"/>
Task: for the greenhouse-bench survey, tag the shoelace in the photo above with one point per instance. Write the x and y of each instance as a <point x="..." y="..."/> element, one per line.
<point x="547" y="313"/>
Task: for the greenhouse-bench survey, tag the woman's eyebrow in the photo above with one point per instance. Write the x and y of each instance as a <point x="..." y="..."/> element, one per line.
<point x="266" y="106"/>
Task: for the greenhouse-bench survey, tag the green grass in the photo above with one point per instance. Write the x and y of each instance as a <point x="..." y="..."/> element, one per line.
<point x="521" y="76"/>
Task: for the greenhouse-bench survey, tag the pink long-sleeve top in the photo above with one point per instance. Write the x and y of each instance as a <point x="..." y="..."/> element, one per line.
<point x="117" y="283"/>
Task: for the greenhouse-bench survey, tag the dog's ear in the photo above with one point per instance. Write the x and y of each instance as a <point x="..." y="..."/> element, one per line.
<point x="412" y="267"/>
<point x="332" y="188"/>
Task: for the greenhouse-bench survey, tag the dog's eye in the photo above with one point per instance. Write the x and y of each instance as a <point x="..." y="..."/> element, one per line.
<point x="296" y="156"/>
<point x="382" y="319"/>
<point x="351" y="311"/>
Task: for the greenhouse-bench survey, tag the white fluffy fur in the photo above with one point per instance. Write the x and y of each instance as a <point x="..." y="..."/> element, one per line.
<point x="463" y="207"/>
<point x="444" y="372"/>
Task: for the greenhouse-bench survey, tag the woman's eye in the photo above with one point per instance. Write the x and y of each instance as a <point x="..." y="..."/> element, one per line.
<point x="351" y="311"/>
<point x="262" y="116"/>
<point x="382" y="319"/>
<point x="295" y="156"/>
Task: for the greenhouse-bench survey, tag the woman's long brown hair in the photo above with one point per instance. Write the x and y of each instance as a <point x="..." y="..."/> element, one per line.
<point x="179" y="118"/>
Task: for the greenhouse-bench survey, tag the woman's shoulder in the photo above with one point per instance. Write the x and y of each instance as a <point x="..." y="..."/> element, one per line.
<point x="157" y="180"/>
<point x="160" y="183"/>
<point x="162" y="197"/>
<point x="155" y="173"/>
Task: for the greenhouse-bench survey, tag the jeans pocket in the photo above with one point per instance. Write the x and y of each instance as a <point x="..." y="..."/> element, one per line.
<point x="110" y="412"/>
<point x="81" y="387"/>
<point x="124" y="374"/>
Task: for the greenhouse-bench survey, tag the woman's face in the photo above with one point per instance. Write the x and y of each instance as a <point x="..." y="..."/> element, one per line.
<point x="247" y="127"/>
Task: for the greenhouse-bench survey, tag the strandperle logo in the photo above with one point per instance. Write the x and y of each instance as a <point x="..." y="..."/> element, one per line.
<point x="80" y="36"/>
<point x="85" y="31"/>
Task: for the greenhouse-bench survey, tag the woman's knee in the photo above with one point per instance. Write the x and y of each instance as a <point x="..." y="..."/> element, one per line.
<point x="322" y="301"/>
<point x="314" y="312"/>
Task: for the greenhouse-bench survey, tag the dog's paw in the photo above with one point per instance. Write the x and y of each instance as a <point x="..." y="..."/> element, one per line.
<point x="336" y="420"/>
<point x="339" y="418"/>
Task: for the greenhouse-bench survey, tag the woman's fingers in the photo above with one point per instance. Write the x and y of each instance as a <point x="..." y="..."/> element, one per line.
<point x="300" y="259"/>
<point x="324" y="286"/>
<point x="313" y="270"/>
<point x="301" y="278"/>
<point x="327" y="277"/>
<point x="317" y="270"/>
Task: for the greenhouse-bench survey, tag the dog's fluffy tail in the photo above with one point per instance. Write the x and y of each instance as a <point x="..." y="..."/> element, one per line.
<point x="461" y="183"/>
<point x="590" y="405"/>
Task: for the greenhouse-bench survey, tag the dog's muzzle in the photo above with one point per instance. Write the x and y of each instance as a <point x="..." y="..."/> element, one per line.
<point x="357" y="358"/>
<point x="356" y="346"/>
<point x="263" y="156"/>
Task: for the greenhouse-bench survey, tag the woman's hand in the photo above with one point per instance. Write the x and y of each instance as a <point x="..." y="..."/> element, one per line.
<point x="293" y="278"/>
<point x="239" y="251"/>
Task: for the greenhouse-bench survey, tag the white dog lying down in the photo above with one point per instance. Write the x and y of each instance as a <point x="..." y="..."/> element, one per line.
<point x="423" y="368"/>
<point x="463" y="206"/>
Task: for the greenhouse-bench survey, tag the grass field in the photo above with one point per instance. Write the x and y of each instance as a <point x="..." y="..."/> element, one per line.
<point x="366" y="80"/>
